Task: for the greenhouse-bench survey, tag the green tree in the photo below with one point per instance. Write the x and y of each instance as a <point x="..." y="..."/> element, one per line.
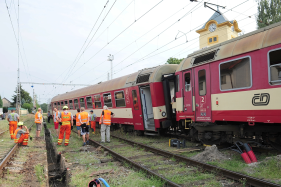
<point x="5" y="109"/>
<point x="269" y="12"/>
<point x="27" y="106"/>
<point x="44" y="107"/>
<point x="174" y="60"/>
<point x="25" y="97"/>
<point x="1" y="102"/>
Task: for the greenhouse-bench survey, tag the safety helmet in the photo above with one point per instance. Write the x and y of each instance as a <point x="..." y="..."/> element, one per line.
<point x="65" y="107"/>
<point x="20" y="123"/>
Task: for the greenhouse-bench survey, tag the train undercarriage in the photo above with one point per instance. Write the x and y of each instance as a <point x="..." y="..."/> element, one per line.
<point x="230" y="132"/>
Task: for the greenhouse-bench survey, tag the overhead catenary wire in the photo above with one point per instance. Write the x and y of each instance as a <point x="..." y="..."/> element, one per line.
<point x="121" y="33"/>
<point x="145" y="34"/>
<point x="91" y="38"/>
<point x="140" y="36"/>
<point x="143" y="58"/>
<point x="86" y="38"/>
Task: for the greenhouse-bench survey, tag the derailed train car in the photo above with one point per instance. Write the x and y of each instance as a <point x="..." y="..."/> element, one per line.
<point x="230" y="91"/>
<point x="137" y="100"/>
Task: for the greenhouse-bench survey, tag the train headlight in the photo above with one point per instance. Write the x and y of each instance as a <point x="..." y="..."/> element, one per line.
<point x="163" y="114"/>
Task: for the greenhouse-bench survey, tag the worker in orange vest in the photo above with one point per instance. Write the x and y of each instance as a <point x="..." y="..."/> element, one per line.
<point x="21" y="136"/>
<point x="38" y="121"/>
<point x="105" y="122"/>
<point x="92" y="119"/>
<point x="13" y="119"/>
<point x="83" y="117"/>
<point x="67" y="124"/>
<point x="78" y="123"/>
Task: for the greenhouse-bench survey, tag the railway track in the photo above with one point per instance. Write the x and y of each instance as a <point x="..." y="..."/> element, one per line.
<point x="7" y="150"/>
<point x="252" y="181"/>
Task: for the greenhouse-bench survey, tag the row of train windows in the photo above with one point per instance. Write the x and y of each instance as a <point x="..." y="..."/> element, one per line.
<point x="237" y="74"/>
<point x="119" y="101"/>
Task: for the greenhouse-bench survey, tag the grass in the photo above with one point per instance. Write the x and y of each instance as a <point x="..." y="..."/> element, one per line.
<point x="39" y="172"/>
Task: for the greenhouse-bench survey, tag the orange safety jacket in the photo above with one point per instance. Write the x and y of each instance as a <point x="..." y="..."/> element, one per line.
<point x="38" y="120"/>
<point x="107" y="117"/>
<point x="66" y="118"/>
<point x="77" y="120"/>
<point x="84" y="117"/>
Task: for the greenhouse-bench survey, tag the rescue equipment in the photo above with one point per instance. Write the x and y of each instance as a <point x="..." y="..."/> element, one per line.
<point x="176" y="143"/>
<point x="247" y="154"/>
<point x="98" y="183"/>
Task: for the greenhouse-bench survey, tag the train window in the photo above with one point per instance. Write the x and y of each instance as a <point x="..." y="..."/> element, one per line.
<point x="120" y="99"/>
<point x="202" y="81"/>
<point x="70" y="104"/>
<point x="61" y="105"/>
<point x="89" y="102"/>
<point x="275" y="67"/>
<point x="97" y="101"/>
<point x="58" y="105"/>
<point x="55" y="105"/>
<point x="107" y="99"/>
<point x="76" y="103"/>
<point x="235" y="74"/>
<point x="65" y="103"/>
<point x="187" y="82"/>
<point x="82" y="103"/>
<point x="135" y="99"/>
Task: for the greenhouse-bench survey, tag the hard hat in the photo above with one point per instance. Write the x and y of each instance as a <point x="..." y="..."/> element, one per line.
<point x="20" y="123"/>
<point x="65" y="107"/>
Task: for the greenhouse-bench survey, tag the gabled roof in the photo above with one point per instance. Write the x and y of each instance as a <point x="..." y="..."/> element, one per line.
<point x="219" y="18"/>
<point x="7" y="100"/>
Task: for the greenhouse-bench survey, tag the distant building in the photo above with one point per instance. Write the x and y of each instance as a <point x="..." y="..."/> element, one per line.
<point x="217" y="29"/>
<point x="6" y="102"/>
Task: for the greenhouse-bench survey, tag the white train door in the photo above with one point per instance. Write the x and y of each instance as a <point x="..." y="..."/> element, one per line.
<point x="147" y="109"/>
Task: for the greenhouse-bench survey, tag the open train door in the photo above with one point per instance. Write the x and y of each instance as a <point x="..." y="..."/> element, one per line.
<point x="203" y="93"/>
<point x="137" y="110"/>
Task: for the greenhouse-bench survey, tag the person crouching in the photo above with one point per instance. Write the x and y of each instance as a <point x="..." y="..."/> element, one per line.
<point x="21" y="136"/>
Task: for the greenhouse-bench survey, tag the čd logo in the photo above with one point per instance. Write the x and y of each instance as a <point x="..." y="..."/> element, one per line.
<point x="261" y="99"/>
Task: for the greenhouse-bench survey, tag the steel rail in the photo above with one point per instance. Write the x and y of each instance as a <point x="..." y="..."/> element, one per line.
<point x="3" y="132"/>
<point x="218" y="170"/>
<point x="136" y="165"/>
<point x="9" y="155"/>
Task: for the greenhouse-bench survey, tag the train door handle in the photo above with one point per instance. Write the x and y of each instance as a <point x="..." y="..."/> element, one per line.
<point x="197" y="105"/>
<point x="140" y="115"/>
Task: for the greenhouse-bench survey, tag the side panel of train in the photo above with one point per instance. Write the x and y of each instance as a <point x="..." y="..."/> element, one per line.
<point x="240" y="94"/>
<point x="139" y="107"/>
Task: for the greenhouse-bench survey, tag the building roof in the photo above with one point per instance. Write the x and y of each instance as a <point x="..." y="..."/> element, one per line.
<point x="7" y="99"/>
<point x="219" y="18"/>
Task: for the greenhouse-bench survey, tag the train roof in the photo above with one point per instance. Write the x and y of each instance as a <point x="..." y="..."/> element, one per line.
<point x="255" y="40"/>
<point x="147" y="75"/>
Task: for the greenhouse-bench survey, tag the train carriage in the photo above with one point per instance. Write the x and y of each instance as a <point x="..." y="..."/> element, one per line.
<point x="231" y="91"/>
<point x="137" y="100"/>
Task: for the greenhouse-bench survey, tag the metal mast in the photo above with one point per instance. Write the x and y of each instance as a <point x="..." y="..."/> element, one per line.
<point x="18" y="103"/>
<point x="110" y="58"/>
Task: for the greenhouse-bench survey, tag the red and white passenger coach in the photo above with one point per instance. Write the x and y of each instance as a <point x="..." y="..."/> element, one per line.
<point x="231" y="91"/>
<point x="137" y="100"/>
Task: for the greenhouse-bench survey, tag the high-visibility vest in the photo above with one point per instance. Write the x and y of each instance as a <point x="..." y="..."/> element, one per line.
<point x="107" y="117"/>
<point x="84" y="117"/>
<point x="38" y="120"/>
<point x="77" y="120"/>
<point x="100" y="119"/>
<point x="13" y="117"/>
<point x="15" y="135"/>
<point x="65" y="118"/>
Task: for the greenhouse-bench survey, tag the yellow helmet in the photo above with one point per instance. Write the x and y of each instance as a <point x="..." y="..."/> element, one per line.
<point x="20" y="123"/>
<point x="65" y="107"/>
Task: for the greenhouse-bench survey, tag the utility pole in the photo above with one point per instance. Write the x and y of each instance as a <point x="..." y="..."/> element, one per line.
<point x="110" y="58"/>
<point x="18" y="103"/>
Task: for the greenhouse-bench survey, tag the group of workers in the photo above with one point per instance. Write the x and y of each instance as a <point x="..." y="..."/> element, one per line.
<point x="84" y="121"/>
<point x="16" y="127"/>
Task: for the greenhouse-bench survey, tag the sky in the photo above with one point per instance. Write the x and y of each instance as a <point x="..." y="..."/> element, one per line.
<point x="57" y="46"/>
